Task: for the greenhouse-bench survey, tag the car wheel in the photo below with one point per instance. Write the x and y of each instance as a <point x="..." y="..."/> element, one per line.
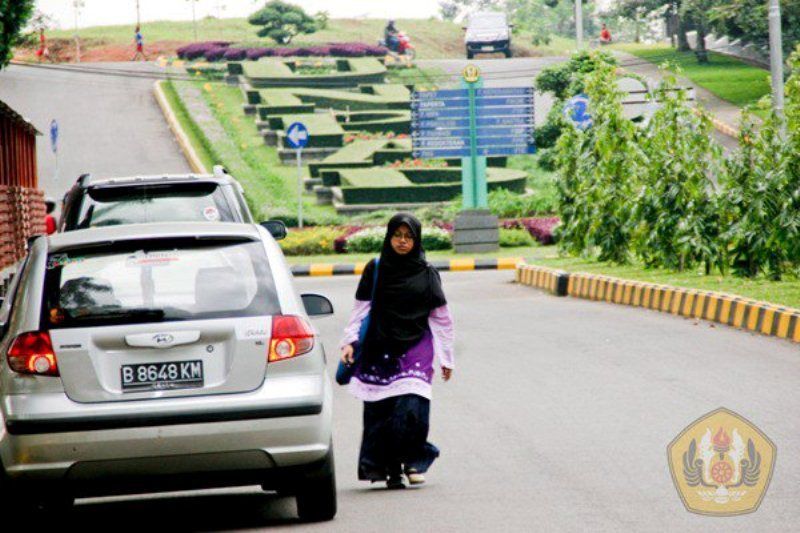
<point x="316" y="497"/>
<point x="469" y="54"/>
<point x="508" y="53"/>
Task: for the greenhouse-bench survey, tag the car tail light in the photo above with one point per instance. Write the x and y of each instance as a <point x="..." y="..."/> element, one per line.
<point x="32" y="353"/>
<point x="291" y="336"/>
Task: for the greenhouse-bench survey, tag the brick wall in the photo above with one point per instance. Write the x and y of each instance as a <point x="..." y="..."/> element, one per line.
<point x="22" y="213"/>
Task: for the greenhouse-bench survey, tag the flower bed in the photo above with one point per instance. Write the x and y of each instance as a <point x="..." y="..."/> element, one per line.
<point x="219" y="50"/>
<point x="370" y="240"/>
<point x="540" y="229"/>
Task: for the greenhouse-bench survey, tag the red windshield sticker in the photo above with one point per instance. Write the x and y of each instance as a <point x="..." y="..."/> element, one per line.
<point x="211" y="213"/>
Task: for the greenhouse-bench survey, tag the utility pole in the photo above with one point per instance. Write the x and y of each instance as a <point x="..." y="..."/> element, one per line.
<point x="579" y="23"/>
<point x="77" y="5"/>
<point x="138" y="18"/>
<point x="194" y="18"/>
<point x="776" y="57"/>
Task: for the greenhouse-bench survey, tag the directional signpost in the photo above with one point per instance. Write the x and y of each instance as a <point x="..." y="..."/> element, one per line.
<point x="577" y="110"/>
<point x="297" y="138"/>
<point x="473" y="123"/>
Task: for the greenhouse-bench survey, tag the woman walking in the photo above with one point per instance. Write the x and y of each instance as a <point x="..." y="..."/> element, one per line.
<point x="409" y="327"/>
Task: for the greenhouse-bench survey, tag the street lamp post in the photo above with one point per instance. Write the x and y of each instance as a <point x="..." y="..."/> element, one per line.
<point x="776" y="56"/>
<point x="194" y="18"/>
<point x="579" y="23"/>
<point x="77" y="5"/>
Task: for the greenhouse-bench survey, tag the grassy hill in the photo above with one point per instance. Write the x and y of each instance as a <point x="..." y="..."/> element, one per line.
<point x="432" y="38"/>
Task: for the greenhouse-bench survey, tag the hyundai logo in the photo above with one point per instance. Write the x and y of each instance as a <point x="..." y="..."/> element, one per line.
<point x="163" y="339"/>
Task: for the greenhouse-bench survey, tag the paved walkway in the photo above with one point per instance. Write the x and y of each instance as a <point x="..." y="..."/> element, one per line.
<point x="727" y="114"/>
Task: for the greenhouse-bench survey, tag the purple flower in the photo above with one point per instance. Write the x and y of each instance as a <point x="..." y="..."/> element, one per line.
<point x="540" y="229"/>
<point x="254" y="54"/>
<point x="235" y="54"/>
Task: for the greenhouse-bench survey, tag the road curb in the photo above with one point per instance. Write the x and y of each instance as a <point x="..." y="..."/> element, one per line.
<point x="451" y="265"/>
<point x="183" y="141"/>
<point x="742" y="313"/>
<point x="550" y="279"/>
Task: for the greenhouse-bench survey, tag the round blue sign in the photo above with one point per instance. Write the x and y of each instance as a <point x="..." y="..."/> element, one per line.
<point x="577" y="110"/>
<point x="54" y="135"/>
<point x="297" y="135"/>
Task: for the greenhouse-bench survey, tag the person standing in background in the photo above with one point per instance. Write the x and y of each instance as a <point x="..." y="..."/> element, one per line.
<point x="139" y="40"/>
<point x="49" y="219"/>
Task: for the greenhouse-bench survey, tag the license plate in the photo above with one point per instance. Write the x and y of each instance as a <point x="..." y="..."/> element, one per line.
<point x="488" y="48"/>
<point x="162" y="376"/>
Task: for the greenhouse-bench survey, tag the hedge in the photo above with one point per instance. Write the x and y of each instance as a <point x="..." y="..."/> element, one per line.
<point x="266" y="73"/>
<point x="223" y="49"/>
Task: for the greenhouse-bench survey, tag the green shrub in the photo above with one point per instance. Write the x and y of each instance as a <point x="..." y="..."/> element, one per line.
<point x="289" y="217"/>
<point x="506" y="204"/>
<point x="510" y="238"/>
<point x="310" y="241"/>
<point x="370" y="240"/>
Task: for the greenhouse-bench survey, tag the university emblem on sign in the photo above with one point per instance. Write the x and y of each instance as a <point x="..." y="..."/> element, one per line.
<point x="471" y="73"/>
<point x="721" y="464"/>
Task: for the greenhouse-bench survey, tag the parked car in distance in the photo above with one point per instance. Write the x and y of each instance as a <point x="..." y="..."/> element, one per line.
<point x="177" y="356"/>
<point x="488" y="32"/>
<point x="93" y="202"/>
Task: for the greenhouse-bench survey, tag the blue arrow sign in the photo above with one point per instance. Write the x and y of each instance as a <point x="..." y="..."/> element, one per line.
<point x="54" y="135"/>
<point x="480" y="112"/>
<point x="464" y="132"/>
<point x="480" y="102"/>
<point x="459" y="142"/>
<point x="577" y="110"/>
<point x="297" y="135"/>
<point x="488" y="151"/>
<point x="463" y="93"/>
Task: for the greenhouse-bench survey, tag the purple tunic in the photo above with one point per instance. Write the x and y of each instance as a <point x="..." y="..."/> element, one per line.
<point x="411" y="373"/>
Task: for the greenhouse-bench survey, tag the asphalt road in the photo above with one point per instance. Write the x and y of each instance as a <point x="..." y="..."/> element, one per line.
<point x="557" y="419"/>
<point x="109" y="125"/>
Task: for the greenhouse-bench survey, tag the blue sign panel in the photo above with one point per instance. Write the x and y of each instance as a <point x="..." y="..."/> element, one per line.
<point x="487" y="151"/>
<point x="485" y="122"/>
<point x="54" y="135"/>
<point x="480" y="112"/>
<point x="464" y="132"/>
<point x="480" y="102"/>
<point x="460" y="142"/>
<point x="480" y="93"/>
<point x="297" y="135"/>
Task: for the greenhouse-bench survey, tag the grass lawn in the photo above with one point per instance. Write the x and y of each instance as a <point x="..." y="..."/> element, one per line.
<point x="727" y="77"/>
<point x="432" y="38"/>
<point x="778" y="292"/>
<point x="188" y="126"/>
<point x="529" y="253"/>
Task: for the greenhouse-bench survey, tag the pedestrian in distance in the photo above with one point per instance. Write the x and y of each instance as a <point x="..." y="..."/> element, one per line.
<point x="49" y="219"/>
<point x="43" y="52"/>
<point x="408" y="329"/>
<point x="139" y="41"/>
<point x="605" y="35"/>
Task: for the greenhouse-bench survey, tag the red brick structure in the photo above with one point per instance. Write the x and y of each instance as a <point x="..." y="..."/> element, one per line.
<point x="22" y="208"/>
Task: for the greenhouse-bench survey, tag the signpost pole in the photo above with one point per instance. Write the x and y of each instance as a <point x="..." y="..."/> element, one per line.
<point x="299" y="188"/>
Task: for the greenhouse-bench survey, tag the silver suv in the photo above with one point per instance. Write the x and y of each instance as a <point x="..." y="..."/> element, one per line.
<point x="177" y="356"/>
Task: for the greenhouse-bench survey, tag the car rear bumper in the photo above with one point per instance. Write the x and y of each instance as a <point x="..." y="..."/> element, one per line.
<point x="284" y="424"/>
<point x="488" y="47"/>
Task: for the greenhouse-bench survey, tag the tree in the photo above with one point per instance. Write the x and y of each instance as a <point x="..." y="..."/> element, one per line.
<point x="448" y="10"/>
<point x="697" y="13"/>
<point x="747" y="20"/>
<point x="281" y="22"/>
<point x="13" y="16"/>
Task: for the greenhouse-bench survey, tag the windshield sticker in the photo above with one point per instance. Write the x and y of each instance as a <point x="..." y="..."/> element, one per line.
<point x="211" y="213"/>
<point x="142" y="258"/>
<point x="60" y="260"/>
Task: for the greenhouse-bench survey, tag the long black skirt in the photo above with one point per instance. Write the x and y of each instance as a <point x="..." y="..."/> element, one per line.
<point x="395" y="437"/>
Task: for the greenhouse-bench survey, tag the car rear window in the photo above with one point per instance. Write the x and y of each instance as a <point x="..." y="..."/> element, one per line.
<point x="111" y="206"/>
<point x="488" y="21"/>
<point x="158" y="282"/>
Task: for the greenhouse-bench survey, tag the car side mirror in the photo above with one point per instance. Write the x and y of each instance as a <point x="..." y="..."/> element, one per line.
<point x="276" y="228"/>
<point x="464" y="28"/>
<point x="317" y="305"/>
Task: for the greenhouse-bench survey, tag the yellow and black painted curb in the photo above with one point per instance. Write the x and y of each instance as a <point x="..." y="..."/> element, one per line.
<point x="550" y="279"/>
<point x="183" y="140"/>
<point x="752" y="315"/>
<point x="452" y="265"/>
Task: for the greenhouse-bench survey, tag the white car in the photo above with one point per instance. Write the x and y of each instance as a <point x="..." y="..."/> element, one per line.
<point x="175" y="356"/>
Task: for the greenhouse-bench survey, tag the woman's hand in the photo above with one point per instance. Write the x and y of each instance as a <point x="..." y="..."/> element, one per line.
<point x="447" y="373"/>
<point x="347" y="354"/>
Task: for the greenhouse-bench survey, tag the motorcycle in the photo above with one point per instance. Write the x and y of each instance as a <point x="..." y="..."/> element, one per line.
<point x="404" y="46"/>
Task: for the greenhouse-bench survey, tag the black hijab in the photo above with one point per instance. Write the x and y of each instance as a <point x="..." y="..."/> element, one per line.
<point x="408" y="289"/>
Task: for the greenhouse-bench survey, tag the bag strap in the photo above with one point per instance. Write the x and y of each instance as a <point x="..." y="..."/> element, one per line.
<point x="374" y="282"/>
